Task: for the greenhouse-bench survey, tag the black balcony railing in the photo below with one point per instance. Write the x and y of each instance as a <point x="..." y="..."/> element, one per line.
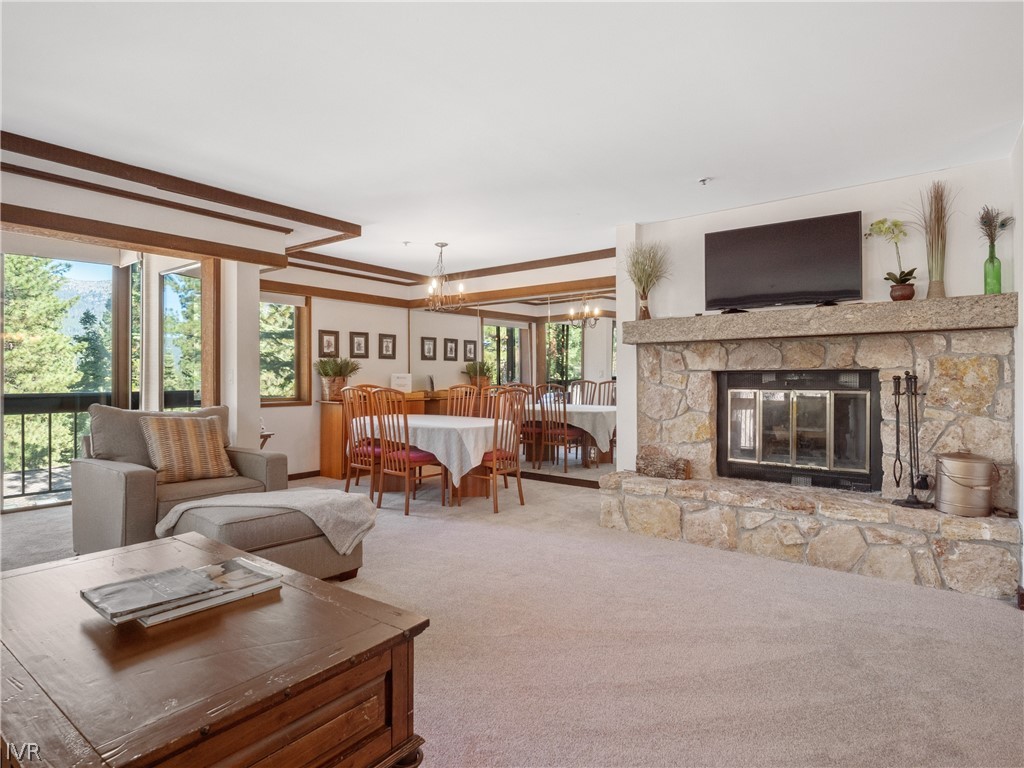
<point x="42" y="433"/>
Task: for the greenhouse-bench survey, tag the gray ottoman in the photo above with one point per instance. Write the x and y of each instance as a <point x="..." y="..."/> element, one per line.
<point x="281" y="535"/>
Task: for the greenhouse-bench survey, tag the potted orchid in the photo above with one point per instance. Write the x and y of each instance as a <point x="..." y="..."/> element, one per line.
<point x="894" y="230"/>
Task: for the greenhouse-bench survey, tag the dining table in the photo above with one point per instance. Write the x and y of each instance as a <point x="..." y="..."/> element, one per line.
<point x="598" y="421"/>
<point x="458" y="442"/>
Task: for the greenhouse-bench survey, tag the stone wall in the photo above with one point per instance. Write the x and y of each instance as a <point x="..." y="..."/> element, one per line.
<point x="843" y="531"/>
<point x="966" y="375"/>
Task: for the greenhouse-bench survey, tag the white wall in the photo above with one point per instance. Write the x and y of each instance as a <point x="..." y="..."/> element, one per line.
<point x="240" y="351"/>
<point x="625" y="355"/>
<point x="441" y="326"/>
<point x="1017" y="209"/>
<point x="994" y="183"/>
<point x="597" y="351"/>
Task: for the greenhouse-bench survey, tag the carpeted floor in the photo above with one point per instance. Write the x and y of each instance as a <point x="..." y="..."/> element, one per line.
<point x="554" y="642"/>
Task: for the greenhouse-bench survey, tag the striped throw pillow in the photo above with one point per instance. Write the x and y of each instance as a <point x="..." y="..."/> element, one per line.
<point x="186" y="449"/>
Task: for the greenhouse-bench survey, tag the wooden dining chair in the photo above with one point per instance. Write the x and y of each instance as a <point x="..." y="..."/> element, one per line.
<point x="503" y="458"/>
<point x="397" y="457"/>
<point x="529" y="432"/>
<point x="488" y="400"/>
<point x="582" y="392"/>
<point x="363" y="450"/>
<point x="367" y="387"/>
<point x="555" y="429"/>
<point x="461" y="399"/>
<point x="605" y="393"/>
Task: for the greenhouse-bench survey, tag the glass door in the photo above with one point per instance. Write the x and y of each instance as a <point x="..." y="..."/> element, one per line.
<point x="776" y="432"/>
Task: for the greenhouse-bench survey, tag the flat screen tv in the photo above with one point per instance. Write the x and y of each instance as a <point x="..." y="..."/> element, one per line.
<point x="810" y="261"/>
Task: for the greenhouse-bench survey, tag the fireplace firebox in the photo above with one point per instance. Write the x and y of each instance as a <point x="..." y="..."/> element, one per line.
<point x="811" y="427"/>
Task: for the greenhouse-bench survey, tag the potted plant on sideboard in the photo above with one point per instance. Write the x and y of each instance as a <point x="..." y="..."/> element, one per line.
<point x="334" y="373"/>
<point x="893" y="231"/>
<point x="479" y="373"/>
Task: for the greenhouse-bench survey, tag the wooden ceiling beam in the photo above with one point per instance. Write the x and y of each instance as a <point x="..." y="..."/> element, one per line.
<point x="30" y="221"/>
<point x="54" y="153"/>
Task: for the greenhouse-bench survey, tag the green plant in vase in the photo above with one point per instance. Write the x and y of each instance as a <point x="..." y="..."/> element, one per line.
<point x="334" y="373"/>
<point x="893" y="231"/>
<point x="480" y="373"/>
<point x="992" y="224"/>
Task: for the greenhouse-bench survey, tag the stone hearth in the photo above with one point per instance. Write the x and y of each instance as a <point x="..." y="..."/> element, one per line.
<point x="961" y="349"/>
<point x="840" y="530"/>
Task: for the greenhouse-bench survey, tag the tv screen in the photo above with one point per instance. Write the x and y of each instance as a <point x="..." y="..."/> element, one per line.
<point x="810" y="261"/>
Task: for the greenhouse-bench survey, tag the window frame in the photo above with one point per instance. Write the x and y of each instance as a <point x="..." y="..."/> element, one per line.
<point x="303" y="364"/>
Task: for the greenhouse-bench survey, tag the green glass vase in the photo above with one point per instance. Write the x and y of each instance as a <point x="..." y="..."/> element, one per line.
<point x="993" y="272"/>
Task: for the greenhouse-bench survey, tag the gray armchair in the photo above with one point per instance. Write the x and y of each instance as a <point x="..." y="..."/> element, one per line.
<point x="115" y="499"/>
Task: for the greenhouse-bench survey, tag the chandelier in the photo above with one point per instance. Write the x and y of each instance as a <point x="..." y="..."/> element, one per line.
<point x="440" y="296"/>
<point x="586" y="316"/>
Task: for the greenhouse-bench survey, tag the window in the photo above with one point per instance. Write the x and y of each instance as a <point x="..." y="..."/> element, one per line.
<point x="182" y="339"/>
<point x="564" y="356"/>
<point x="503" y="350"/>
<point x="57" y="361"/>
<point x="284" y="350"/>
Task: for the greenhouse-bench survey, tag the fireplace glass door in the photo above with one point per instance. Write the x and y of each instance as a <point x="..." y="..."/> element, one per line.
<point x="811" y="436"/>
<point x="776" y="439"/>
<point x="814" y="429"/>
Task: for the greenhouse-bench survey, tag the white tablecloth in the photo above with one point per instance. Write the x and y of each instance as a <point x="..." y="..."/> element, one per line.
<point x="598" y="421"/>
<point x="459" y="442"/>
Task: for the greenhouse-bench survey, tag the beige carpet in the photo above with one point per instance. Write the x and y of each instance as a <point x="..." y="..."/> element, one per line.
<point x="554" y="642"/>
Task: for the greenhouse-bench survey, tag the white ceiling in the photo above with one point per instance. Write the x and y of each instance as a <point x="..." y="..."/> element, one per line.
<point x="517" y="131"/>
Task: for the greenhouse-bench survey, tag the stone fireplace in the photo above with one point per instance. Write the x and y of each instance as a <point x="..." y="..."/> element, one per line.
<point x="961" y="349"/>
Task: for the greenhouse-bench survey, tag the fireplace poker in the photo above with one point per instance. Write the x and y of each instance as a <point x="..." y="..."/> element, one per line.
<point x="897" y="463"/>
<point x="918" y="480"/>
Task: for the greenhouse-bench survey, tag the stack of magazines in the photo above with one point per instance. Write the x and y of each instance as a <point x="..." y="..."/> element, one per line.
<point x="158" y="597"/>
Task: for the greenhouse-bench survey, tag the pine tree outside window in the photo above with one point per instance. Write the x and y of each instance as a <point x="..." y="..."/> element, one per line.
<point x="284" y="351"/>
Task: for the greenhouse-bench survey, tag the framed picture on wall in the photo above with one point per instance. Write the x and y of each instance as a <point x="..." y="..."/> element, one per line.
<point x="451" y="349"/>
<point x="428" y="348"/>
<point x="386" y="343"/>
<point x="327" y="344"/>
<point x="358" y="344"/>
<point x="469" y="351"/>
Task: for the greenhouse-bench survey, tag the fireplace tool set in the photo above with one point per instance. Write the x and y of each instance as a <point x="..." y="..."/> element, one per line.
<point x="917" y="480"/>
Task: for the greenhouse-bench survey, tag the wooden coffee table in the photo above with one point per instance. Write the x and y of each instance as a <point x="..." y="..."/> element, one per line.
<point x="310" y="674"/>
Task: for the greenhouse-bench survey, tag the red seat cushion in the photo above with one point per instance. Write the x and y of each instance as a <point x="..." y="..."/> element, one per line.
<point x="414" y="456"/>
<point x="366" y="451"/>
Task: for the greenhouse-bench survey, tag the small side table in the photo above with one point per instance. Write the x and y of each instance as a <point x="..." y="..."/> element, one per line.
<point x="264" y="436"/>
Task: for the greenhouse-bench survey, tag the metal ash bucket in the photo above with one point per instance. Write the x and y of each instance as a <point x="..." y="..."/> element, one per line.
<point x="963" y="484"/>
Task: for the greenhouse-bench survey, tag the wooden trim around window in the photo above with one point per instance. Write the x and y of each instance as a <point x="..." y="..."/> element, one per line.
<point x="303" y="363"/>
<point x="211" y="342"/>
<point x="31" y="221"/>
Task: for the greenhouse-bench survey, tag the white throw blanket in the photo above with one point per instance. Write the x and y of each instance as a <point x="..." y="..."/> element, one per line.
<point x="343" y="517"/>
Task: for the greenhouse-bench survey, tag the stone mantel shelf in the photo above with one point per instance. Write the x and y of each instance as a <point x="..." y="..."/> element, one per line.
<point x="948" y="314"/>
